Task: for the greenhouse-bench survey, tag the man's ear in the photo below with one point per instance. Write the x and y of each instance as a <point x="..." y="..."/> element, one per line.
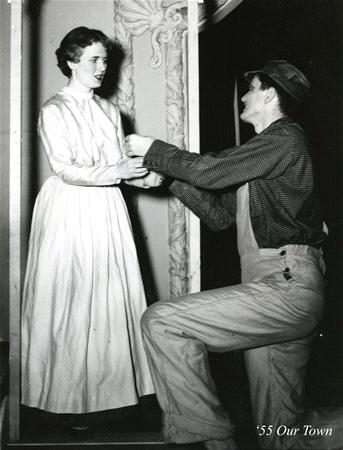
<point x="270" y="95"/>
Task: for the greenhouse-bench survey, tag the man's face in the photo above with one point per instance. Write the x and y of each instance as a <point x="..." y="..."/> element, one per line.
<point x="254" y="102"/>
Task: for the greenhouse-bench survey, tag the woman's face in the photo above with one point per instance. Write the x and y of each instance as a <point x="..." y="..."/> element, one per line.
<point x="89" y="72"/>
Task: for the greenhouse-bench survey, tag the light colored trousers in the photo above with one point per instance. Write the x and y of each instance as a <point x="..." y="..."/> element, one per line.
<point x="273" y="319"/>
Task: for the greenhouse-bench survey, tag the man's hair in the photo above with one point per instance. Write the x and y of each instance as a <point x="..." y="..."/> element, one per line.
<point x="287" y="104"/>
<point x="74" y="43"/>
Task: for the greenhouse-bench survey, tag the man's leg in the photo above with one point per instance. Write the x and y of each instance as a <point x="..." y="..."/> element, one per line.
<point x="276" y="377"/>
<point x="178" y="334"/>
<point x="182" y="380"/>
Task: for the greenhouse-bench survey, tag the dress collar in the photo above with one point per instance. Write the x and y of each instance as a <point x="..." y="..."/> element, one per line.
<point x="77" y="94"/>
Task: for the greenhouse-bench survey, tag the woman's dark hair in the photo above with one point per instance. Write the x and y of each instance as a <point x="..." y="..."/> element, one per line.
<point x="287" y="104"/>
<point x="73" y="44"/>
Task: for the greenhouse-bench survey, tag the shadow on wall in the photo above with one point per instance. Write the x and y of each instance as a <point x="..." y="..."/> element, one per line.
<point x="109" y="85"/>
<point x="32" y="10"/>
<point x="108" y="89"/>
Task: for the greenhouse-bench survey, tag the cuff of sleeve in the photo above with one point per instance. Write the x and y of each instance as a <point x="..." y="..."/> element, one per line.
<point x="158" y="155"/>
<point x="167" y="182"/>
<point x="114" y="175"/>
<point x="176" y="188"/>
<point x="193" y="199"/>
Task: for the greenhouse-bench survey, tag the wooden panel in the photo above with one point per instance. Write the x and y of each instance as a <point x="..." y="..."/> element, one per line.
<point x="14" y="213"/>
<point x="193" y="138"/>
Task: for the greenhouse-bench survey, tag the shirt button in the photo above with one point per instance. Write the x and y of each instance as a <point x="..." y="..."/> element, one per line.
<point x="283" y="252"/>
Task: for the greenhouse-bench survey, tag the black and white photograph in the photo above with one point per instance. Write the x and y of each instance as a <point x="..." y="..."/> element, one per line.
<point x="171" y="222"/>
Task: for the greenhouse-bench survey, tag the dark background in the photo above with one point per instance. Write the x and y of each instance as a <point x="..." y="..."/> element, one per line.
<point x="307" y="33"/>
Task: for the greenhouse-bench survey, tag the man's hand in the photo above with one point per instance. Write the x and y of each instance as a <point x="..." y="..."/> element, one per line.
<point x="153" y="179"/>
<point x="136" y="145"/>
<point x="136" y="182"/>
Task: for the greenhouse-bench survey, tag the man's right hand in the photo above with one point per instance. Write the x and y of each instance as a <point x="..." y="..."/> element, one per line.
<point x="136" y="145"/>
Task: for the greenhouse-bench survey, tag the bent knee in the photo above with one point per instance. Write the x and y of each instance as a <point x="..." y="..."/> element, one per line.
<point x="154" y="315"/>
<point x="149" y="317"/>
<point x="146" y="320"/>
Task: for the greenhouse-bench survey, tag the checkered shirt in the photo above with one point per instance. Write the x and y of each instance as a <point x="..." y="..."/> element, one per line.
<point x="284" y="206"/>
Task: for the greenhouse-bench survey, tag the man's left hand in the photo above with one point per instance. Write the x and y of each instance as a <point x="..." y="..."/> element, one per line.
<point x="136" y="145"/>
<point x="153" y="179"/>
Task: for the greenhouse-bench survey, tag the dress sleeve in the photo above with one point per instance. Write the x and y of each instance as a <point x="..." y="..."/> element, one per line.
<point x="54" y="136"/>
<point x="120" y="131"/>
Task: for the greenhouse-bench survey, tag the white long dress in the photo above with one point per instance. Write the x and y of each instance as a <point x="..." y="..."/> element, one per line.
<point x="83" y="295"/>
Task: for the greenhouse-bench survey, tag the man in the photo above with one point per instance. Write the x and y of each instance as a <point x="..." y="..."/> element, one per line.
<point x="266" y="187"/>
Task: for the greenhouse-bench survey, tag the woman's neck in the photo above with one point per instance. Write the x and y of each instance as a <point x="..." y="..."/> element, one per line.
<point x="73" y="84"/>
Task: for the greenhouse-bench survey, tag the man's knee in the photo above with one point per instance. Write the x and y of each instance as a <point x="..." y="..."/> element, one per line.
<point x="160" y="317"/>
<point x="147" y="320"/>
<point x="153" y="316"/>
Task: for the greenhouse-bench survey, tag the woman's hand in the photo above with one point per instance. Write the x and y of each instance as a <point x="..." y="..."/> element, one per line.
<point x="132" y="168"/>
<point x="137" y="145"/>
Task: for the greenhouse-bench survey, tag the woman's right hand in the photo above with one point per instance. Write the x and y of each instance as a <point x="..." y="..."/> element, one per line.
<point x="132" y="168"/>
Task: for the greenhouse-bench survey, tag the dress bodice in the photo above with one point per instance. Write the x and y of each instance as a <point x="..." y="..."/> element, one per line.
<point x="82" y="132"/>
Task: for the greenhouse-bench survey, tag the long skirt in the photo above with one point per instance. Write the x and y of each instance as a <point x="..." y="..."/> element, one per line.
<point x="82" y="303"/>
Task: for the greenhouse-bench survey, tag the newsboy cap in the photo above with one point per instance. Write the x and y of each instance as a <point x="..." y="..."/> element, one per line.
<point x="287" y="76"/>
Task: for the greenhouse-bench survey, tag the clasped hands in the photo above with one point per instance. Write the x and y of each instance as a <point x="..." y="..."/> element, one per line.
<point x="138" y="146"/>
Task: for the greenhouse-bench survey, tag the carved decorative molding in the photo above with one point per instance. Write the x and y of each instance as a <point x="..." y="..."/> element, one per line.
<point x="175" y="101"/>
<point x="125" y="94"/>
<point x="163" y="19"/>
<point x="165" y="22"/>
<point x="139" y="16"/>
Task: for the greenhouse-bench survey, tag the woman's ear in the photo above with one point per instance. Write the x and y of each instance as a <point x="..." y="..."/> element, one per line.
<point x="71" y="65"/>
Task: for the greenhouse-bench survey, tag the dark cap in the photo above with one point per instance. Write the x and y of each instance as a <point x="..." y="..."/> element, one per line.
<point x="287" y="76"/>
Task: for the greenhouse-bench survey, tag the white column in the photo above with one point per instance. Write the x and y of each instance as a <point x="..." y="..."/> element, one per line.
<point x="14" y="216"/>
<point x="193" y="138"/>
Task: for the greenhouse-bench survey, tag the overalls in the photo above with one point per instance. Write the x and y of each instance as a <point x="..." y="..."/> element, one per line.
<point x="272" y="316"/>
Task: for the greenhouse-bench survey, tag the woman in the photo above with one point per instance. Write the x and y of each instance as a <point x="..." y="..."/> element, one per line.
<point x="83" y="293"/>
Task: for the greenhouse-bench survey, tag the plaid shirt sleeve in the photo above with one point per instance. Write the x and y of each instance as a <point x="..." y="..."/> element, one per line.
<point x="284" y="206"/>
<point x="263" y="156"/>
<point x="216" y="210"/>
